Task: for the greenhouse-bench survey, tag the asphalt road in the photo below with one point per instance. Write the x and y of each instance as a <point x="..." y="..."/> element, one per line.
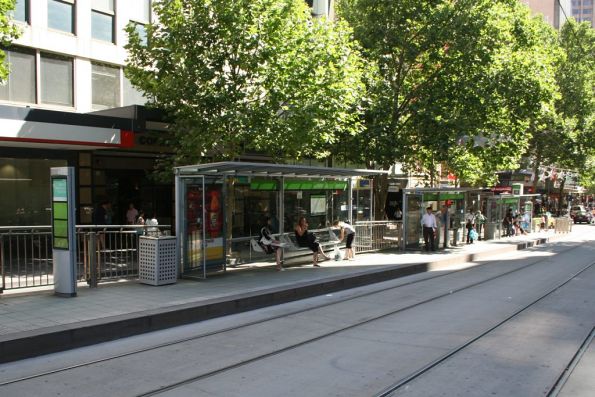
<point x="517" y="325"/>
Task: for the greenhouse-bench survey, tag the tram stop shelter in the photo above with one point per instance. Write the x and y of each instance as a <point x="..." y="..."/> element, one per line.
<point x="221" y="207"/>
<point x="498" y="205"/>
<point x="415" y="202"/>
<point x="458" y="203"/>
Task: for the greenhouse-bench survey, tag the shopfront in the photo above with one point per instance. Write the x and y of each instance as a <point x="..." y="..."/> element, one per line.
<point x="221" y="206"/>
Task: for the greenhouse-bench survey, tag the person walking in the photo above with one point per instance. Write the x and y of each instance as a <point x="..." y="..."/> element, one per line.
<point x="269" y="244"/>
<point x="347" y="233"/>
<point x="305" y="238"/>
<point x="428" y="223"/>
<point x="480" y="220"/>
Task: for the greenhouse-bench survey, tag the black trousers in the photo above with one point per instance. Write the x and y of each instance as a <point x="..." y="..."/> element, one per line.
<point x="429" y="238"/>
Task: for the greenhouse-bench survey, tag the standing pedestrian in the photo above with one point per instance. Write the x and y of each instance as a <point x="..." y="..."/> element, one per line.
<point x="428" y="223"/>
<point x="131" y="214"/>
<point x="347" y="233"/>
<point x="470" y="225"/>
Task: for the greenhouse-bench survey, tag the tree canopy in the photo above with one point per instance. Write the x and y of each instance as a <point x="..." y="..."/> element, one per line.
<point x="241" y="75"/>
<point x="8" y="33"/>
<point x="456" y="82"/>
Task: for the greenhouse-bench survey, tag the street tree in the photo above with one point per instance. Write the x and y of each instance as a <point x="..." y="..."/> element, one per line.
<point x="241" y="75"/>
<point x="455" y="83"/>
<point x="564" y="136"/>
<point x="8" y="32"/>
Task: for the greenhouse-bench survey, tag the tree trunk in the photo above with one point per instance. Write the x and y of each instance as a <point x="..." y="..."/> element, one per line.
<point x="561" y="197"/>
<point x="380" y="194"/>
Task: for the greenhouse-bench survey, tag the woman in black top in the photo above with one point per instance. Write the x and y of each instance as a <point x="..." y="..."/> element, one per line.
<point x="305" y="238"/>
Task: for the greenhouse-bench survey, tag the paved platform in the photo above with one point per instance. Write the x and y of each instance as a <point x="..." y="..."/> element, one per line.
<point x="38" y="323"/>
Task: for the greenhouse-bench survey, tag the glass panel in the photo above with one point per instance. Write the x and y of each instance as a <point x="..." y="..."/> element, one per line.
<point x="56" y="80"/>
<point x="105" y="86"/>
<point x="25" y="186"/>
<point x="105" y="5"/>
<point x="20" y="86"/>
<point x="131" y="95"/>
<point x="20" y="11"/>
<point x="102" y="26"/>
<point x="61" y="16"/>
<point x="142" y="32"/>
<point x="141" y="10"/>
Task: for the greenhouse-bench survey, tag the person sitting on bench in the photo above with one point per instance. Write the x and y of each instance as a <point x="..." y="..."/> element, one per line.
<point x="305" y="238"/>
<point x="268" y="244"/>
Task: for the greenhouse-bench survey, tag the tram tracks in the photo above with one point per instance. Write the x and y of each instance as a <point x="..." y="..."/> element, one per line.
<point x="259" y="357"/>
<point x="427" y="368"/>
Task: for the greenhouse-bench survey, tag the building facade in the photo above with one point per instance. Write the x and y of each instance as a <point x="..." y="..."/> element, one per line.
<point x="583" y="10"/>
<point x="555" y="12"/>
<point x="67" y="103"/>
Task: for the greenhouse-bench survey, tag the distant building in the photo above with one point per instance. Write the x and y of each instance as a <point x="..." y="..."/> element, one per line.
<point x="555" y="12"/>
<point x="583" y="10"/>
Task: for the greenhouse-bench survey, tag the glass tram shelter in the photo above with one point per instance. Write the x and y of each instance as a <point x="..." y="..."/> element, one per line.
<point x="415" y="202"/>
<point x="221" y="206"/>
<point x="498" y="205"/>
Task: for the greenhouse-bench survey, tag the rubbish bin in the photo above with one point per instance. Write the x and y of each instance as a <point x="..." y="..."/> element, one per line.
<point x="157" y="260"/>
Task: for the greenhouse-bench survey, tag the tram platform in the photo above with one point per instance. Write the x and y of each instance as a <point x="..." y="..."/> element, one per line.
<point x="36" y="323"/>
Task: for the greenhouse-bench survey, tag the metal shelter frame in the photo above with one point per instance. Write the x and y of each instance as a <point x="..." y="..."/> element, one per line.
<point x="222" y="170"/>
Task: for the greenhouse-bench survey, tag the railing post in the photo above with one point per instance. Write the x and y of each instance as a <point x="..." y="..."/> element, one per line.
<point x="92" y="260"/>
<point x="2" y="262"/>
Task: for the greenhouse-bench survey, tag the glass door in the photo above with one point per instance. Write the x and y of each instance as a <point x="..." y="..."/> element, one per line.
<point x="412" y="213"/>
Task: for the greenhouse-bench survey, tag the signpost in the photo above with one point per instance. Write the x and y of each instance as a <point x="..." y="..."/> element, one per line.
<point x="63" y="231"/>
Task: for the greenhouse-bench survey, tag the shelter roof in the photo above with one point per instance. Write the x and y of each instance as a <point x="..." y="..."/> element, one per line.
<point x="272" y="170"/>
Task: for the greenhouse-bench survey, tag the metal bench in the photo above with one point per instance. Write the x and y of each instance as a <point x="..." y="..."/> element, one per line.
<point x="325" y="237"/>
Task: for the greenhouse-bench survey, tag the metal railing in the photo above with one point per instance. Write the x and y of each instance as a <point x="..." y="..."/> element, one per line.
<point x="103" y="253"/>
<point x="377" y="235"/>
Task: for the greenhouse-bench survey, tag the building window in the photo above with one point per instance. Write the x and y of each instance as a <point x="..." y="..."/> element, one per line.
<point x="56" y="80"/>
<point x="25" y="186"/>
<point x="105" y="86"/>
<point x="20" y="85"/>
<point x="131" y="95"/>
<point x="102" y="20"/>
<point x="61" y="15"/>
<point x="141" y="10"/>
<point x="141" y="31"/>
<point x="21" y="11"/>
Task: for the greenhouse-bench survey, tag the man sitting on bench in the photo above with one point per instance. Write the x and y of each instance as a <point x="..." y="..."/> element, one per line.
<point x="305" y="238"/>
<point x="270" y="245"/>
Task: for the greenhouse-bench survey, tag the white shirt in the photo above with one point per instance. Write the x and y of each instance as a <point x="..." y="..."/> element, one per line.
<point x="152" y="222"/>
<point x="348" y="228"/>
<point x="428" y="220"/>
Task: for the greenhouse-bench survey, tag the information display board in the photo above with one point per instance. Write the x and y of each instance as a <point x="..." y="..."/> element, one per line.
<point x="60" y="212"/>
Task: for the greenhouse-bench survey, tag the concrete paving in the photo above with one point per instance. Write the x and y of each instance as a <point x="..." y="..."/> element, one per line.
<point x="38" y="323"/>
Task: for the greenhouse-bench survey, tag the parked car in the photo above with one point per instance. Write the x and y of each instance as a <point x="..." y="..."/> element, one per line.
<point x="582" y="217"/>
<point x="577" y="208"/>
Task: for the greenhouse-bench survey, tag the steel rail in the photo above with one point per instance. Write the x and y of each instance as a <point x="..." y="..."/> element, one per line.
<point x="292" y="313"/>
<point x="391" y="389"/>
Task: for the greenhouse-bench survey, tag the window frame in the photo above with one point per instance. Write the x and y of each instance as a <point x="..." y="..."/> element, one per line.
<point x="35" y="83"/>
<point x="119" y="83"/>
<point x="44" y="54"/>
<point x="109" y="13"/>
<point x="72" y="3"/>
<point x="27" y="12"/>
